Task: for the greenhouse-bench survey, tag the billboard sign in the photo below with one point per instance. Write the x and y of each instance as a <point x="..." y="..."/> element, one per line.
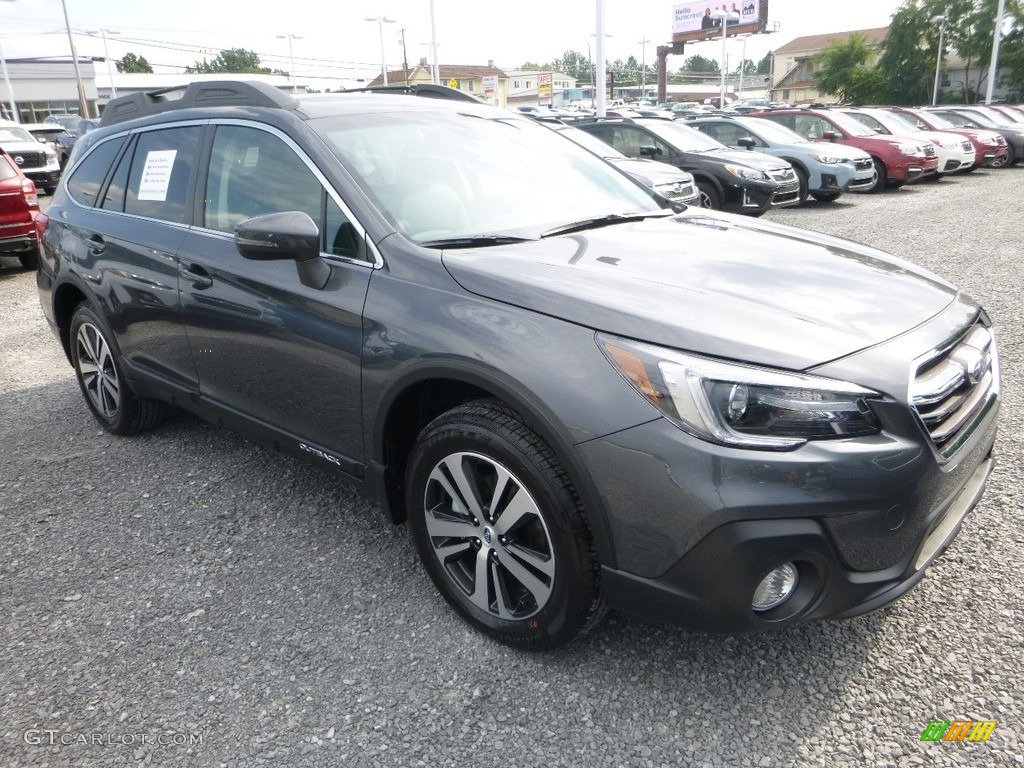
<point x="490" y="85"/>
<point x="544" y="86"/>
<point x="696" y="21"/>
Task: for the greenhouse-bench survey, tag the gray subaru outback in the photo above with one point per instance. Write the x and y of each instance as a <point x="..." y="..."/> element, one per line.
<point x="578" y="394"/>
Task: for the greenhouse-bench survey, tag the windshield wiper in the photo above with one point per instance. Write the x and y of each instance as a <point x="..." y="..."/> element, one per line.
<point x="473" y="241"/>
<point x="604" y="221"/>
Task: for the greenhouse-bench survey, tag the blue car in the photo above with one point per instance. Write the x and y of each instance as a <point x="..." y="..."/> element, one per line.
<point x="824" y="171"/>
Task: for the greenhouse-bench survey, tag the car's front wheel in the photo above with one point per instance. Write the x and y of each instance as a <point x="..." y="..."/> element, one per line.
<point x="881" y="176"/>
<point x="500" y="528"/>
<point x="100" y="377"/>
<point x="709" y="197"/>
<point x="825" y="197"/>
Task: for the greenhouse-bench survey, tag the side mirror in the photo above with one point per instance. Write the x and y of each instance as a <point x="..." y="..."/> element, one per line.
<point x="747" y="143"/>
<point x="829" y="135"/>
<point x="289" y="235"/>
<point x="650" y="151"/>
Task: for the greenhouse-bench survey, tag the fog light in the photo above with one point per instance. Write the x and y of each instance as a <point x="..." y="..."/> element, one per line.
<point x="775" y="588"/>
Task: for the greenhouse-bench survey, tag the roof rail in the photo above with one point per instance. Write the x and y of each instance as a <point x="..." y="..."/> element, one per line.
<point x="429" y="90"/>
<point x="209" y="93"/>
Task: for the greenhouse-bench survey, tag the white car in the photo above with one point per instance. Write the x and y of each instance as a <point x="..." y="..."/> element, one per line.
<point x="36" y="160"/>
<point x="955" y="152"/>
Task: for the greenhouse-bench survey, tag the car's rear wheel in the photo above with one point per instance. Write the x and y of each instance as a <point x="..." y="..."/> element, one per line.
<point x="881" y="176"/>
<point x="500" y="528"/>
<point x="100" y="377"/>
<point x="709" y="197"/>
<point x="826" y="197"/>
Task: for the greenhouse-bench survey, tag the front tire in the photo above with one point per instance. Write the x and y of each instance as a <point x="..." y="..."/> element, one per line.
<point x="29" y="259"/>
<point x="709" y="197"/>
<point x="500" y="528"/>
<point x="826" y="197"/>
<point x="881" y="175"/>
<point x="100" y="377"/>
<point x="801" y="177"/>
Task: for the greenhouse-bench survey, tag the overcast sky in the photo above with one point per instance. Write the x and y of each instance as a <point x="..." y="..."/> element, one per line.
<point x="336" y="41"/>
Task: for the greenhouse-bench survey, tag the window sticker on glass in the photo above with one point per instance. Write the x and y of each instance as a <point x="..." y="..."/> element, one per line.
<point x="252" y="156"/>
<point x="156" y="174"/>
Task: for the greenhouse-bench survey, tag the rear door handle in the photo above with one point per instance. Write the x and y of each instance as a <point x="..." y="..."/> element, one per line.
<point x="196" y="275"/>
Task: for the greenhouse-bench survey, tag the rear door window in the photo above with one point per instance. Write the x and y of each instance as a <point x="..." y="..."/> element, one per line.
<point x="84" y="184"/>
<point x="161" y="176"/>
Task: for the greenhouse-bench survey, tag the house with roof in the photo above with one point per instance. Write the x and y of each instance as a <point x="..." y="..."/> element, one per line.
<point x="525" y="87"/>
<point x="793" y="64"/>
<point x="488" y="83"/>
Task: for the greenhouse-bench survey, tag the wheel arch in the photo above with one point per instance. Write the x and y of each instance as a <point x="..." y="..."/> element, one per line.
<point x="66" y="298"/>
<point x="428" y="390"/>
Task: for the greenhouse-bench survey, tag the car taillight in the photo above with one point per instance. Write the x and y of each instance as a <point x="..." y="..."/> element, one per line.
<point x="29" y="190"/>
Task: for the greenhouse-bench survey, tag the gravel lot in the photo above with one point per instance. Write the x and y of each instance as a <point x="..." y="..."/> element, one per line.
<point x="188" y="598"/>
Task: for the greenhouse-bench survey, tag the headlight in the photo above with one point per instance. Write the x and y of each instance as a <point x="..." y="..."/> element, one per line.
<point x="909" y="149"/>
<point x="741" y="405"/>
<point x="51" y="157"/>
<point x="828" y="159"/>
<point x="747" y="173"/>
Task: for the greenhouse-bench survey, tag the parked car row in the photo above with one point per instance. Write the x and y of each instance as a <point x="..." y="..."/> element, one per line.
<point x="815" y="152"/>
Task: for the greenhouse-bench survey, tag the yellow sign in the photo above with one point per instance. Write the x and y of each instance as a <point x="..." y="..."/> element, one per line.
<point x="544" y="86"/>
<point x="453" y="83"/>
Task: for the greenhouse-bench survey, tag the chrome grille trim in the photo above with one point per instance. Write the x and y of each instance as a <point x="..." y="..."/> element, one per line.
<point x="929" y="151"/>
<point x="953" y="387"/>
<point x="782" y="174"/>
<point x="864" y="164"/>
<point x="966" y="146"/>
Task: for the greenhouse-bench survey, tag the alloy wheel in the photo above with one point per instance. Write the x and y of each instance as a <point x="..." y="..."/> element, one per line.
<point x="96" y="367"/>
<point x="489" y="535"/>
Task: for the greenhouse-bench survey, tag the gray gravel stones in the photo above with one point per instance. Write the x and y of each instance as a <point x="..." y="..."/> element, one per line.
<point x="187" y="598"/>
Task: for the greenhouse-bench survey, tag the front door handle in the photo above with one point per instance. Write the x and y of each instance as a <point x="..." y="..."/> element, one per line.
<point x="96" y="245"/>
<point x="197" y="275"/>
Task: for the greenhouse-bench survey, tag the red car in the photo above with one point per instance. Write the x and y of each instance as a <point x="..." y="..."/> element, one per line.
<point x="990" y="149"/>
<point x="21" y="221"/>
<point x="897" y="160"/>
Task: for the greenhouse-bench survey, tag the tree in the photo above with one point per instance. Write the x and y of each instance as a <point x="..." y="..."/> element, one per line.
<point x="574" y="64"/>
<point x="132" y="63"/>
<point x="234" y="60"/>
<point x="843" y="69"/>
<point x="529" y="66"/>
<point x="908" y="56"/>
<point x="701" y="66"/>
<point x="764" y="66"/>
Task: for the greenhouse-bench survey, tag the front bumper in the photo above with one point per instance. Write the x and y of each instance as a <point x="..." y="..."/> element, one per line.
<point x="755" y="198"/>
<point x="43" y="177"/>
<point x="711" y="587"/>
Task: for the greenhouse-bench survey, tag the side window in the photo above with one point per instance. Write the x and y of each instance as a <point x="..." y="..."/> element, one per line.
<point x="340" y="237"/>
<point x="811" y="127"/>
<point x="253" y="172"/>
<point x="871" y="123"/>
<point x="117" y="189"/>
<point x="666" y="150"/>
<point x="627" y="140"/>
<point x="158" y="183"/>
<point x="84" y="184"/>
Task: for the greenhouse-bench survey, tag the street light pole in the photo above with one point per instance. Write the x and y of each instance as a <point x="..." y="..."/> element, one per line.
<point x="743" y="63"/>
<point x="291" y="58"/>
<point x="643" y="66"/>
<point x="106" y="55"/>
<point x="10" y="91"/>
<point x="601" y="96"/>
<point x="436" y="69"/>
<point x="941" y="21"/>
<point x="725" y="17"/>
<point x="993" y="68"/>
<point x="381" y="21"/>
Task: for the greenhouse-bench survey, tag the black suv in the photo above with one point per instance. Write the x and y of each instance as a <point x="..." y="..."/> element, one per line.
<point x="578" y="394"/>
<point x="728" y="180"/>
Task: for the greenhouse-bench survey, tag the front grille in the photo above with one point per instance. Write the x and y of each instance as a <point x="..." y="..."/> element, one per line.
<point x="782" y="174"/>
<point x="953" y="387"/>
<point x="966" y="146"/>
<point x="1000" y="141"/>
<point x="864" y="164"/>
<point x="676" y="191"/>
<point x="929" y="150"/>
<point x="29" y="159"/>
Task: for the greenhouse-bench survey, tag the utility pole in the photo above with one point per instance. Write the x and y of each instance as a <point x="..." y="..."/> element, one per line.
<point x="83" y="102"/>
<point x="993" y="68"/>
<point x="405" y="58"/>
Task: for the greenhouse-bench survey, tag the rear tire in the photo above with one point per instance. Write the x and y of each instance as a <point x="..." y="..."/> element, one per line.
<point x="826" y="197"/>
<point x="101" y="379"/>
<point x="500" y="528"/>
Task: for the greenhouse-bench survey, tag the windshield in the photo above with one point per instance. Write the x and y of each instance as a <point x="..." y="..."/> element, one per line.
<point x="682" y="137"/>
<point x="933" y="118"/>
<point x="894" y="121"/>
<point x="971" y="119"/>
<point x="772" y="131"/>
<point x="68" y="121"/>
<point x="592" y="143"/>
<point x="850" y="125"/>
<point x="476" y="173"/>
<point x="995" y="116"/>
<point x="15" y="133"/>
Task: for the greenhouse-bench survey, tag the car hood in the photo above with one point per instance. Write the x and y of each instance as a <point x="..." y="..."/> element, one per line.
<point x="656" y="173"/>
<point x="754" y="160"/>
<point x="24" y="146"/>
<point x="839" y="150"/>
<point x="715" y="284"/>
